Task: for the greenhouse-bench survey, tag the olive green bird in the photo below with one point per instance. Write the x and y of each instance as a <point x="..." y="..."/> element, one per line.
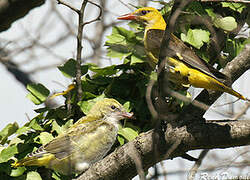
<point x="83" y="144"/>
<point x="184" y="67"/>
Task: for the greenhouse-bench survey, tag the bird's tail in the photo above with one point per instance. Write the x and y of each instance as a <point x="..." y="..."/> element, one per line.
<point x="33" y="161"/>
<point x="224" y="88"/>
<point x="234" y="93"/>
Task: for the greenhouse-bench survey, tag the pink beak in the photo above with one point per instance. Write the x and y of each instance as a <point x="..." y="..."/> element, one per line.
<point x="127" y="115"/>
<point x="127" y="17"/>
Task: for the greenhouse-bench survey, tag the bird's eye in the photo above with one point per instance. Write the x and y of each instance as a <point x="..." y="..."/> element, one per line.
<point x="113" y="107"/>
<point x="144" y="12"/>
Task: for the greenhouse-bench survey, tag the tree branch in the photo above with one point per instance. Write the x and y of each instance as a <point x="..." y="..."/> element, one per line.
<point x="10" y="11"/>
<point x="195" y="136"/>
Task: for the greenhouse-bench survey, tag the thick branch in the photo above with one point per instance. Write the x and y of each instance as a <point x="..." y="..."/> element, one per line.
<point x="10" y="11"/>
<point x="18" y="73"/>
<point x="195" y="136"/>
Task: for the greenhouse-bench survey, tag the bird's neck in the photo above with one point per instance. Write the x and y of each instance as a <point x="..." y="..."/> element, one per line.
<point x="156" y="23"/>
<point x="112" y="121"/>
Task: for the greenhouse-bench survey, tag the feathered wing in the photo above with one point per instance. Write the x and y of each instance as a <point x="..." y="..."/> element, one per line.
<point x="59" y="148"/>
<point x="175" y="45"/>
<point x="211" y="77"/>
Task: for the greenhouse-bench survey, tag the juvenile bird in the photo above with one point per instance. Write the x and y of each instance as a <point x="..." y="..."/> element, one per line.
<point x="184" y="67"/>
<point x="83" y="144"/>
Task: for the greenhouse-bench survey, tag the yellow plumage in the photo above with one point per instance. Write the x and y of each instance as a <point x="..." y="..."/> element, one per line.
<point x="83" y="144"/>
<point x="184" y="67"/>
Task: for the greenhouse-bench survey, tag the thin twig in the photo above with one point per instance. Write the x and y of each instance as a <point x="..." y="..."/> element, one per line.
<point x="69" y="6"/>
<point x="61" y="17"/>
<point x="163" y="170"/>
<point x="186" y="99"/>
<point x="149" y="99"/>
<point x="172" y="148"/>
<point x="210" y="169"/>
<point x="125" y="4"/>
<point x="135" y="156"/>
<point x="194" y="169"/>
<point x="79" y="50"/>
<point x="81" y="25"/>
<point x="98" y="17"/>
<point x="242" y="112"/>
<point x="166" y="156"/>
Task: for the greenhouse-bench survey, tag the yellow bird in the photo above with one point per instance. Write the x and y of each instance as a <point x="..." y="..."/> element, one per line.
<point x="85" y="143"/>
<point x="184" y="67"/>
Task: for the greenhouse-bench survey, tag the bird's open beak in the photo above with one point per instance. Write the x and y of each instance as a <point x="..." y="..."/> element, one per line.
<point x="127" y="115"/>
<point x="130" y="16"/>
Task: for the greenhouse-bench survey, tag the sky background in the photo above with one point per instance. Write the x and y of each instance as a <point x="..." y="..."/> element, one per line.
<point x="15" y="107"/>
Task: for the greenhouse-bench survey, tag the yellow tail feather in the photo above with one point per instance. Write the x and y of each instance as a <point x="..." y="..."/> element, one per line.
<point x="34" y="161"/>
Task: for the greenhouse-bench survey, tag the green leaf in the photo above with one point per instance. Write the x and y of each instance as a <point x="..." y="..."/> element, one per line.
<point x="197" y="8"/>
<point x="23" y="130"/>
<point x="61" y="129"/>
<point x="211" y="13"/>
<point x="87" y="105"/>
<point x="120" y="43"/>
<point x="34" y="99"/>
<point x="153" y="76"/>
<point x="16" y="140"/>
<point x="196" y="37"/>
<point x="56" y="127"/>
<point x="227" y="23"/>
<point x="88" y="95"/>
<point x="134" y="25"/>
<point x="56" y="176"/>
<point x="129" y="35"/>
<point x="234" y="6"/>
<point x="32" y="175"/>
<point x="128" y="133"/>
<point x="67" y="125"/>
<point x="127" y="106"/>
<point x="121" y="140"/>
<point x="17" y="172"/>
<point x="8" y="153"/>
<point x="44" y="138"/>
<point x="234" y="47"/>
<point x="8" y="131"/>
<point x="117" y="53"/>
<point x="69" y="68"/>
<point x="106" y="71"/>
<point x="120" y="36"/>
<point x="34" y="124"/>
<point x="116" y="39"/>
<point x="135" y="60"/>
<point x="38" y="93"/>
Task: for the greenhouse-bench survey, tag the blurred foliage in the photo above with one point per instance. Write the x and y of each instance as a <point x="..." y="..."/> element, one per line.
<point x="126" y="82"/>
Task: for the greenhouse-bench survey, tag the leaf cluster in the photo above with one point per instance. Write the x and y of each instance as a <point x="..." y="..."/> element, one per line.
<point x="126" y="82"/>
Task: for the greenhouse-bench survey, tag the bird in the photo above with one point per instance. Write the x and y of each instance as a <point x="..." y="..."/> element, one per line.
<point x="183" y="66"/>
<point x="84" y="143"/>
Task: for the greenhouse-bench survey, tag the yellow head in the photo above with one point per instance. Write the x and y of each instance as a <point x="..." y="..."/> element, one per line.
<point x="151" y="17"/>
<point x="109" y="108"/>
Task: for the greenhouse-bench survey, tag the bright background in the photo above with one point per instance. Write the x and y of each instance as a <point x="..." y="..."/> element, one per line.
<point x="41" y="27"/>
